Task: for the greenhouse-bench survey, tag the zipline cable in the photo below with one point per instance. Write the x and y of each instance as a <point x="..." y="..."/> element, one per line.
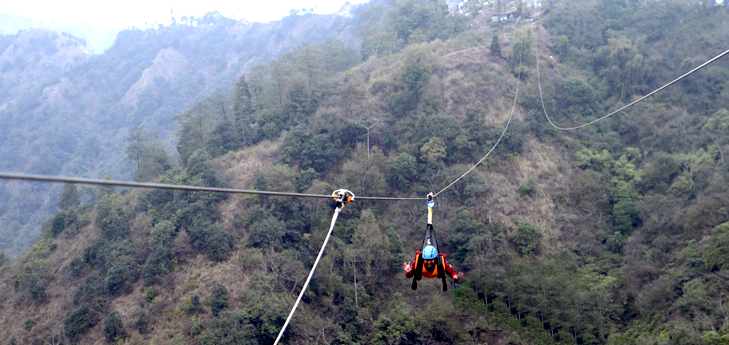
<point x="343" y="198"/>
<point x="507" y="123"/>
<point x="536" y="45"/>
<point x="43" y="178"/>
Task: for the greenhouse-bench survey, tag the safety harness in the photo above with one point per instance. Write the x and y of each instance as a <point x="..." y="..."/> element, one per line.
<point x="429" y="240"/>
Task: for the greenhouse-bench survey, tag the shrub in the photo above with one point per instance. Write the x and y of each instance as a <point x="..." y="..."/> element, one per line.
<point x="150" y="294"/>
<point x="29" y="323"/>
<point x="219" y="300"/>
<point x="75" y="268"/>
<point x="120" y="278"/>
<point x="525" y="189"/>
<point x="195" y="305"/>
<point x="195" y="328"/>
<point x="78" y="321"/>
<point x="142" y="322"/>
<point x="715" y="253"/>
<point x="114" y="327"/>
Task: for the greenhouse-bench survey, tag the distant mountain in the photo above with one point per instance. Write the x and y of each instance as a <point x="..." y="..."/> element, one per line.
<point x="66" y="111"/>
<point x="95" y="40"/>
<point x="10" y="24"/>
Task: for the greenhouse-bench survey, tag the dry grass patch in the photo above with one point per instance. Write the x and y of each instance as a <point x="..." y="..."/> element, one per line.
<point x="242" y="167"/>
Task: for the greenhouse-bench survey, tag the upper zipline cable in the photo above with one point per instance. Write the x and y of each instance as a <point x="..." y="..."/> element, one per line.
<point x="507" y="123"/>
<point x="536" y="45"/>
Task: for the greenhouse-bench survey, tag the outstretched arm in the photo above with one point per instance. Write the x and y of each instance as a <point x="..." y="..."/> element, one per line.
<point x="452" y="272"/>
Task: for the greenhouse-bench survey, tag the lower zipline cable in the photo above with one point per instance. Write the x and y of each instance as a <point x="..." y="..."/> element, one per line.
<point x="343" y="198"/>
<point x="539" y="81"/>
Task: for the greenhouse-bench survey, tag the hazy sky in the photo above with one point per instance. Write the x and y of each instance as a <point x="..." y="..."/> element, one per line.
<point x="123" y="14"/>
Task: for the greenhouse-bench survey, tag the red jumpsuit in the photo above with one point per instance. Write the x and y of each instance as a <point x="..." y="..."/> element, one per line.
<point x="449" y="271"/>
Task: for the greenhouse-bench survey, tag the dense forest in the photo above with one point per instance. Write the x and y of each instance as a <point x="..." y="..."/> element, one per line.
<point x="616" y="233"/>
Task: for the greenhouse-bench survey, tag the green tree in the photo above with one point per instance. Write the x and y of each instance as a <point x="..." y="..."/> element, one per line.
<point x="577" y="101"/>
<point x="142" y="322"/>
<point x="69" y="197"/>
<point x="114" y="327"/>
<point x="196" y="127"/>
<point x="527" y="238"/>
<point x="716" y="253"/>
<point x="195" y="305"/>
<point x="415" y="78"/>
<point x="120" y="277"/>
<point x="464" y="229"/>
<point x="495" y="47"/>
<point x="297" y="105"/>
<point x="219" y="299"/>
<point x="366" y="173"/>
<point x="62" y="221"/>
<point x="242" y="104"/>
<point x="157" y="265"/>
<point x="104" y="190"/>
<point x="146" y="152"/>
<point x="627" y="69"/>
<point x="624" y="214"/>
<point x="112" y="216"/>
<point x="33" y="278"/>
<point x="3" y="258"/>
<point x="433" y="152"/>
<point x="150" y="294"/>
<point x="403" y="170"/>
<point x="397" y="326"/>
<point x="372" y="246"/>
<point x="78" y="321"/>
<point x="229" y="328"/>
<point x="522" y="54"/>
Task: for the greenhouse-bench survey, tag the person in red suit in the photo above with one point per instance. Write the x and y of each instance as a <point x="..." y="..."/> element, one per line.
<point x="431" y="265"/>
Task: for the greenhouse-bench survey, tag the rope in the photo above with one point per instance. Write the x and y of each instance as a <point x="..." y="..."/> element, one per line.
<point x="308" y="279"/>
<point x="507" y="123"/>
<point x="623" y="108"/>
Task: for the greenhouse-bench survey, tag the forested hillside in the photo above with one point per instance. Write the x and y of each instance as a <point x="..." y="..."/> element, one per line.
<point x="615" y="233"/>
<point x="66" y="112"/>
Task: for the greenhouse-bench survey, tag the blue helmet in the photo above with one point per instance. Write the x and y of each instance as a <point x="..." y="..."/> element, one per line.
<point x="429" y="252"/>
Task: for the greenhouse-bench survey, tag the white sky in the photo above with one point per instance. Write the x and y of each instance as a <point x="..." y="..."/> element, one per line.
<point x="117" y="15"/>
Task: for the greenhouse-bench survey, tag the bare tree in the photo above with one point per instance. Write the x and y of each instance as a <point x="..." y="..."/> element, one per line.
<point x="361" y="123"/>
<point x="353" y="259"/>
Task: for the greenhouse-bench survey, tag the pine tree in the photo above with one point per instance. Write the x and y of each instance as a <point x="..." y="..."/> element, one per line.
<point x="495" y="46"/>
